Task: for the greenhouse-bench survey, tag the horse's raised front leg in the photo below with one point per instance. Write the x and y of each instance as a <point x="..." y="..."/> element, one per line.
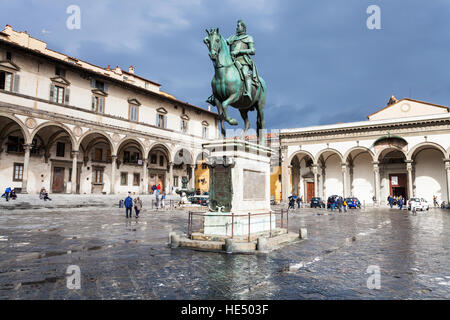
<point x="232" y="98"/>
<point x="221" y="116"/>
<point x="244" y="115"/>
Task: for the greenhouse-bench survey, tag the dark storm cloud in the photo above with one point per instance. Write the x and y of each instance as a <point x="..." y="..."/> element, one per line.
<point x="321" y="63"/>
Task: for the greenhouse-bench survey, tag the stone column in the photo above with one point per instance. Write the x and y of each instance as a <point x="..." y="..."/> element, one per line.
<point x="284" y="174"/>
<point x="192" y="171"/>
<point x="376" y="171"/>
<point x="352" y="193"/>
<point x="315" y="180"/>
<point x="410" y="180"/>
<point x="290" y="181"/>
<point x="144" y="185"/>
<point x="323" y="181"/>
<point x="73" y="178"/>
<point x="344" y="180"/>
<point x="447" y="168"/>
<point x="170" y="177"/>
<point x="26" y="161"/>
<point x="113" y="174"/>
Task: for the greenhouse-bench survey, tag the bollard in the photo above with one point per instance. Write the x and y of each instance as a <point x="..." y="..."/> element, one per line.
<point x="261" y="244"/>
<point x="174" y="241"/>
<point x="303" y="233"/>
<point x="170" y="236"/>
<point x="229" y="245"/>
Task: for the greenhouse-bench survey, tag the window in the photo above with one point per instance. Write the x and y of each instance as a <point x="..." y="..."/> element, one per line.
<point x="8" y="55"/>
<point x="161" y="161"/>
<point x="175" y="181"/>
<point x="183" y="111"/>
<point x="59" y="94"/>
<point x="18" y="172"/>
<point x="98" y="156"/>
<point x="161" y="121"/>
<point x="133" y="112"/>
<point x="205" y="133"/>
<point x="134" y="157"/>
<point x="15" y="144"/>
<point x="98" y="175"/>
<point x="6" y="80"/>
<point x="136" y="179"/>
<point x="70" y="175"/>
<point x="60" y="146"/>
<point x="183" y="125"/>
<point x="204" y="166"/>
<point x="153" y="159"/>
<point x="126" y="156"/>
<point x="98" y="85"/>
<point x="60" y="72"/>
<point x="98" y="104"/>
<point x="124" y="178"/>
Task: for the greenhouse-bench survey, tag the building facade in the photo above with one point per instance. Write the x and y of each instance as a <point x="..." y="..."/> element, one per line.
<point x="402" y="149"/>
<point x="73" y="127"/>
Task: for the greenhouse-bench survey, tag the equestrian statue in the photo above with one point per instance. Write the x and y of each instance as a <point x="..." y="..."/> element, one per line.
<point x="236" y="81"/>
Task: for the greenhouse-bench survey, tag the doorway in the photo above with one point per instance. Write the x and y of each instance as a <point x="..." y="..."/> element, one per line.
<point x="58" y="180"/>
<point x="398" y="185"/>
<point x="309" y="191"/>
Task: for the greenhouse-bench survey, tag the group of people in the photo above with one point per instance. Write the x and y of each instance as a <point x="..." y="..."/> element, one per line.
<point x="338" y="203"/>
<point x="129" y="203"/>
<point x="293" y="200"/>
<point x="396" y="200"/>
<point x="160" y="201"/>
<point x="10" y="193"/>
<point x="156" y="188"/>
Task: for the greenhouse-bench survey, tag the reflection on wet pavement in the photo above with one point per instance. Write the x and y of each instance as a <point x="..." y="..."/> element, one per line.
<point x="130" y="259"/>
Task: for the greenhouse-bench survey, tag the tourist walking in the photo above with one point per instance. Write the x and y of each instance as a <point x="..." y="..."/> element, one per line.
<point x="299" y="201"/>
<point x="137" y="206"/>
<point x="13" y="194"/>
<point x="391" y="201"/>
<point x="158" y="188"/>
<point x="157" y="200"/>
<point x="163" y="198"/>
<point x="339" y="203"/>
<point x="7" y="193"/>
<point x="400" y="203"/>
<point x="153" y="189"/>
<point x="345" y="205"/>
<point x="435" y="202"/>
<point x="128" y="205"/>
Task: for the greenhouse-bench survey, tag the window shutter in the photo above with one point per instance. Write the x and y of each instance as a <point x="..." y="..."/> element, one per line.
<point x="93" y="83"/>
<point x="16" y="83"/>
<point x="165" y="121"/>
<point x="93" y="103"/>
<point x="52" y="92"/>
<point x="105" y="87"/>
<point x="67" y="98"/>
<point x="101" y="105"/>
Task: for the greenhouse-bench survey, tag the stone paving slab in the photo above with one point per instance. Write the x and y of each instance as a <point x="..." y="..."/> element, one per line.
<point x="123" y="258"/>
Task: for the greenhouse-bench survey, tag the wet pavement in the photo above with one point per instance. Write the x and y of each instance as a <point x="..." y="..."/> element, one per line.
<point x="121" y="259"/>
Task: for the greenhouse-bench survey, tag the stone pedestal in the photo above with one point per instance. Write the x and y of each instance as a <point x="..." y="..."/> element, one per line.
<point x="239" y="186"/>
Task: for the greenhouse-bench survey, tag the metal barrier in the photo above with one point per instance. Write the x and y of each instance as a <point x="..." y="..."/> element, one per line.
<point x="283" y="214"/>
<point x="168" y="204"/>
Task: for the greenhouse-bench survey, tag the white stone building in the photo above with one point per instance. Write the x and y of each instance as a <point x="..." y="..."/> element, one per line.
<point x="73" y="127"/>
<point x="403" y="149"/>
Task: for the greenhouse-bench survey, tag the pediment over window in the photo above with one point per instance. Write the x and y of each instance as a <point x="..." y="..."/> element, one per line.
<point x="9" y="65"/>
<point x="184" y="117"/>
<point x="134" y="101"/>
<point x="161" y="110"/>
<point x="99" y="92"/>
<point x="205" y="123"/>
<point x="60" y="80"/>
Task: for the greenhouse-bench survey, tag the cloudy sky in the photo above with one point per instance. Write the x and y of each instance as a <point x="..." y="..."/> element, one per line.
<point x="321" y="63"/>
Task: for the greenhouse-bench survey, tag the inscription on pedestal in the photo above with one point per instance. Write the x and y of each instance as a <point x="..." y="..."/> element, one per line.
<point x="254" y="185"/>
<point x="220" y="188"/>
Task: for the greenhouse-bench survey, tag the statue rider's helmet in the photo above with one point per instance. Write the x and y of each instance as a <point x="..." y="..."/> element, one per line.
<point x="243" y="26"/>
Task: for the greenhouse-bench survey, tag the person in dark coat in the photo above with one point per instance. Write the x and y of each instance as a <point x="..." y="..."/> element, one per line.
<point x="128" y="205"/>
<point x="7" y="193"/>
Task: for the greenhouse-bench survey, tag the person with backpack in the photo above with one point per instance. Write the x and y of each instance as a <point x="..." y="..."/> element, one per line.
<point x="128" y="205"/>
<point x="345" y="205"/>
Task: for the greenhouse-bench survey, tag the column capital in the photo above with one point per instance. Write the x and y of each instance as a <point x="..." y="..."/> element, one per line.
<point x="26" y="147"/>
<point x="409" y="161"/>
<point x="170" y="163"/>
<point x="75" y="152"/>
